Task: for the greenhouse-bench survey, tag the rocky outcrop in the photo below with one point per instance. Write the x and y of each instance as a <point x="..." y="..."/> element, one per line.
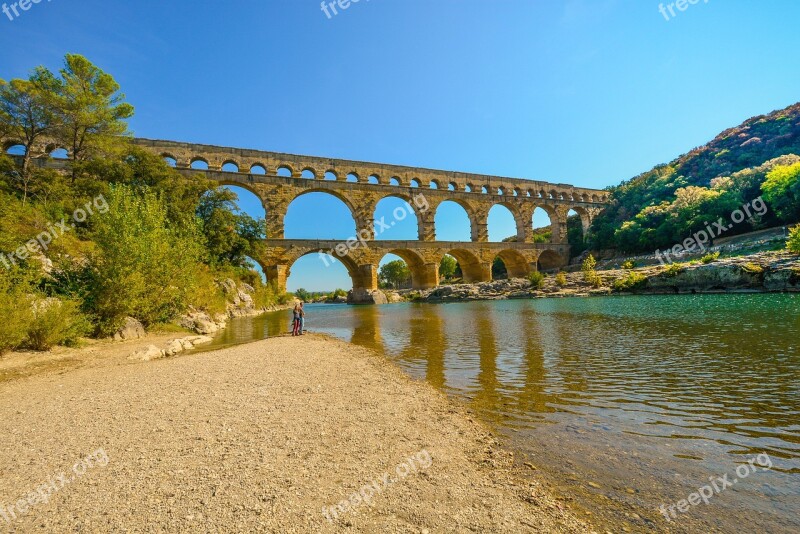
<point x="365" y="296"/>
<point x="176" y="346"/>
<point x="761" y="272"/>
<point x="494" y="290"/>
<point x="202" y="323"/>
<point x="764" y="272"/>
<point x="393" y="297"/>
<point x="130" y="329"/>
<point x="240" y="304"/>
<point x="240" y="299"/>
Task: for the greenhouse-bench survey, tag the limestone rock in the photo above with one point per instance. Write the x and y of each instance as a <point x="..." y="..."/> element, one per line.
<point x="146" y="354"/>
<point x="130" y="329"/>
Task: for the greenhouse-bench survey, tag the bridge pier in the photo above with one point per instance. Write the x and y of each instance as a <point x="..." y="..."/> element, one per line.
<point x="277" y="275"/>
<point x="426" y="277"/>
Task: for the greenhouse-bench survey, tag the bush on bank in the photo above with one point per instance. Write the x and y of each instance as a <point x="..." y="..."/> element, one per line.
<point x="30" y="321"/>
<point x="793" y="243"/>
<point x="537" y="279"/>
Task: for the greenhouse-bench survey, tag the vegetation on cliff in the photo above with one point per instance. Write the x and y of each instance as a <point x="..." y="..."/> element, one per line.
<point x="793" y="244"/>
<point x="666" y="205"/>
<point x="117" y="232"/>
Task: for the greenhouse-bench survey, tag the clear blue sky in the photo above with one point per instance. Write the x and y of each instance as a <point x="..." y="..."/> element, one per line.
<point x="588" y="92"/>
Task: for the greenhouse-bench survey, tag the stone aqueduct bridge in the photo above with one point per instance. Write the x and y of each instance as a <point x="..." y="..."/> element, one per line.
<point x="277" y="179"/>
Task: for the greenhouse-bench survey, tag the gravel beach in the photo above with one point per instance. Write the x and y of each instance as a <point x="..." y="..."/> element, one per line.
<point x="303" y="434"/>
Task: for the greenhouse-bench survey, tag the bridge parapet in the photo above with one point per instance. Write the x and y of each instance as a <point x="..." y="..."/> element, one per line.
<point x="296" y="166"/>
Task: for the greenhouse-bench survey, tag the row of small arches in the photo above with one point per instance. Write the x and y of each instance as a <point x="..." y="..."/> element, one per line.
<point x="199" y="163"/>
<point x="285" y="171"/>
<point x="53" y="151"/>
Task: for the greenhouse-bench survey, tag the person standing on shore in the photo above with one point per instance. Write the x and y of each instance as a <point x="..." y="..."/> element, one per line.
<point x="302" y="319"/>
<point x="296" y="320"/>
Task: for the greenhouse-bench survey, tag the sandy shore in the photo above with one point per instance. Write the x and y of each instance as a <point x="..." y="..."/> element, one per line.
<point x="269" y="437"/>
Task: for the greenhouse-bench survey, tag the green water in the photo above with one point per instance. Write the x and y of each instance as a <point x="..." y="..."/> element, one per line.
<point x="623" y="404"/>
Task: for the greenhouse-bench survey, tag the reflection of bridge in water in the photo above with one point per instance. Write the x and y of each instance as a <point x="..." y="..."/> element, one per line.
<point x="278" y="179"/>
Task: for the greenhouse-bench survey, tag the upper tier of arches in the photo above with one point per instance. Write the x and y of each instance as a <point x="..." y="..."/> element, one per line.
<point x="311" y="168"/>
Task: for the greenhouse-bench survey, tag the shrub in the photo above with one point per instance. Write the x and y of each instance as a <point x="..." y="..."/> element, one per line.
<point x="56" y="322"/>
<point x="793" y="243"/>
<point x="207" y="294"/>
<point x="630" y="264"/>
<point x="15" y="314"/>
<point x="145" y="268"/>
<point x="561" y="279"/>
<point x="674" y="269"/>
<point x="537" y="280"/>
<point x="632" y="282"/>
<point x="337" y="293"/>
<point x="752" y="268"/>
<point x="711" y="257"/>
<point x="589" y="273"/>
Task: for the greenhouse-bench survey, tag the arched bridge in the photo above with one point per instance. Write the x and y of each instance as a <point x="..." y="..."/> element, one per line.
<point x="277" y="179"/>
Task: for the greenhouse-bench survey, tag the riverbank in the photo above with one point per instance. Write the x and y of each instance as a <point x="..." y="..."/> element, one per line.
<point x="259" y="437"/>
<point x="763" y="272"/>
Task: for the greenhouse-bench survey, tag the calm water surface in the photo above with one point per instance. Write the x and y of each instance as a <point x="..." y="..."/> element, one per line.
<point x="623" y="404"/>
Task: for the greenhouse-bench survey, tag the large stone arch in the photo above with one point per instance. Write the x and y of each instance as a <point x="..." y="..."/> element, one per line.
<point x="247" y="186"/>
<point x="348" y="262"/>
<point x="555" y="217"/>
<point x="519" y="218"/>
<point x="517" y="265"/>
<point x="424" y="274"/>
<point x="550" y="260"/>
<point x="340" y="195"/>
<point x="406" y="197"/>
<point x="477" y="226"/>
<point x="277" y="263"/>
<point x="473" y="269"/>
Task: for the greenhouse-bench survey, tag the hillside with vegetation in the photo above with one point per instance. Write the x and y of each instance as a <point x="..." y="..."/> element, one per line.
<point x="115" y="232"/>
<point x="664" y="206"/>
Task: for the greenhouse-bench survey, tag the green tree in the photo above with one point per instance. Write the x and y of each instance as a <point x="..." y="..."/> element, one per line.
<point x="27" y="115"/>
<point x="448" y="267"/>
<point x="395" y="273"/>
<point x="782" y="191"/>
<point x="91" y="110"/>
<point x="589" y="273"/>
<point x="229" y="234"/>
<point x="793" y="243"/>
<point x="303" y="295"/>
<point x="144" y="268"/>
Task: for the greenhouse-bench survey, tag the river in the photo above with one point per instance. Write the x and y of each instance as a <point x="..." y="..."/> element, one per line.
<point x="623" y="404"/>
